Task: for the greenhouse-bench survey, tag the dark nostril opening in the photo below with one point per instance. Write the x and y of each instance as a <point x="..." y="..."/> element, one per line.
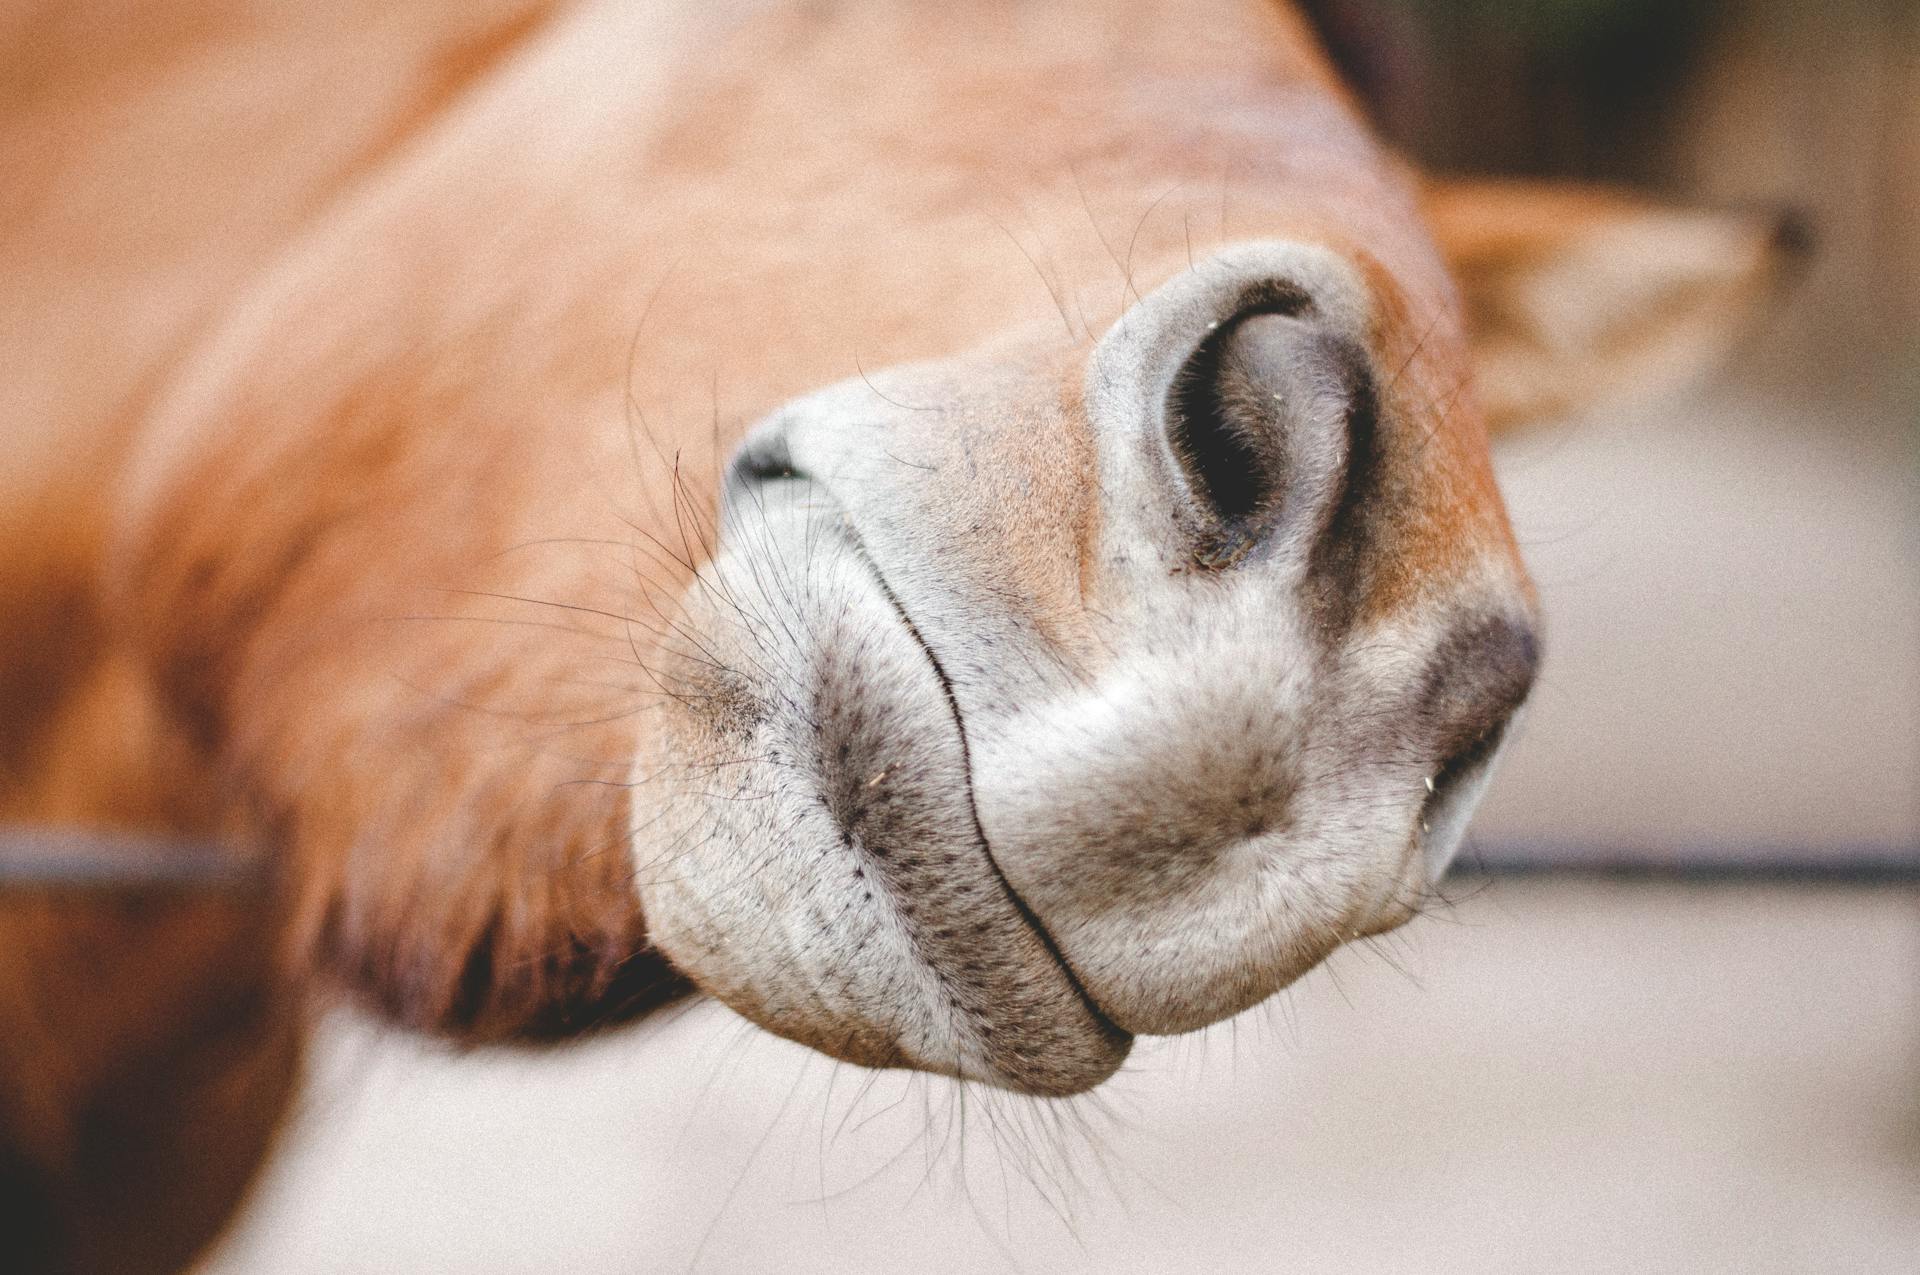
<point x="1216" y="438"/>
<point x="1225" y="421"/>
<point x="764" y="457"/>
<point x="1263" y="388"/>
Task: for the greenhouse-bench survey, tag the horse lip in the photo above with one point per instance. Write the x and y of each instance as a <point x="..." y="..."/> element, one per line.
<point x="1027" y="913"/>
<point x="762" y="462"/>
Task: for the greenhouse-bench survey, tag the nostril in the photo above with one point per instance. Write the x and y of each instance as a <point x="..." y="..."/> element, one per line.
<point x="766" y="456"/>
<point x="1220" y="439"/>
<point x="1477" y="679"/>
<point x="1256" y="392"/>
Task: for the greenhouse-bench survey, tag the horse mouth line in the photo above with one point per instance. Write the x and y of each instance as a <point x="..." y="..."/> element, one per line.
<point x="857" y="546"/>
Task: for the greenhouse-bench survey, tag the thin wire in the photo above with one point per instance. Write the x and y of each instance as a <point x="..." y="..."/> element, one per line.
<point x="38" y="859"/>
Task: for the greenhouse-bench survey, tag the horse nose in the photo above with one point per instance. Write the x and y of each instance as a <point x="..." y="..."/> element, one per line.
<point x="1224" y="408"/>
<point x="1236" y="785"/>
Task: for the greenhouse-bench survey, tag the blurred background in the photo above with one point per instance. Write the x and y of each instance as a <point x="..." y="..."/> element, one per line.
<point x="1731" y="579"/>
<point x="1669" y="1019"/>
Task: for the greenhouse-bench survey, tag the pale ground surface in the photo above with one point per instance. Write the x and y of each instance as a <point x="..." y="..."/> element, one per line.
<point x="1592" y="1078"/>
<point x="1582" y="1077"/>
